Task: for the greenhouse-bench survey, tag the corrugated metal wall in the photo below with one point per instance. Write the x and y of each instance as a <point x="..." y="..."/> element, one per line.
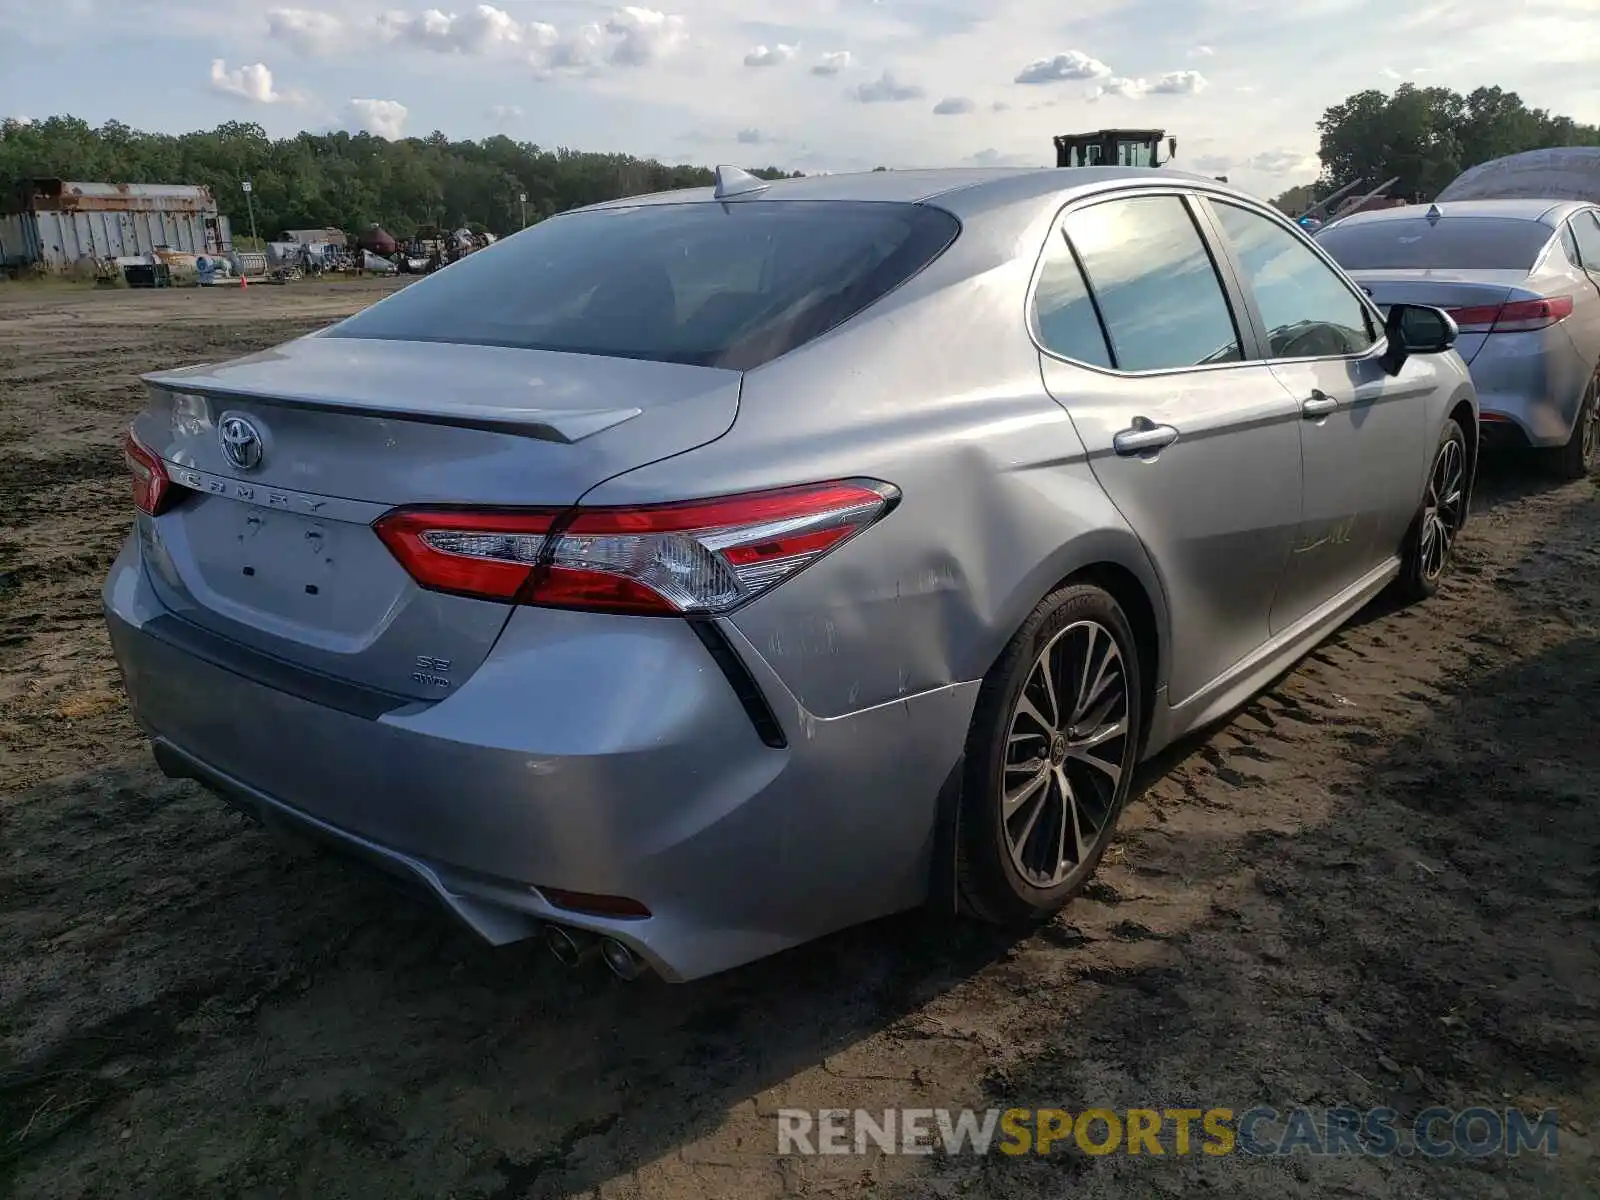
<point x="14" y="239"/>
<point x="59" y="239"/>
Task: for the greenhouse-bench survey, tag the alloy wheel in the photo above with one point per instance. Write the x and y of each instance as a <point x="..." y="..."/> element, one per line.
<point x="1065" y="748"/>
<point x="1444" y="509"/>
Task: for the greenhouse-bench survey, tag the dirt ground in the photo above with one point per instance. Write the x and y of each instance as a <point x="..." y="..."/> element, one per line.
<point x="1377" y="885"/>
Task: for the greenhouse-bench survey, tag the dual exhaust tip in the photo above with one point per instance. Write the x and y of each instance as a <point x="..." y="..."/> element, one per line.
<point x="571" y="947"/>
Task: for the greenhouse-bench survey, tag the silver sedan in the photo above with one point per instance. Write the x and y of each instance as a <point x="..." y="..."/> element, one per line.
<point x="1521" y="278"/>
<point x="693" y="575"/>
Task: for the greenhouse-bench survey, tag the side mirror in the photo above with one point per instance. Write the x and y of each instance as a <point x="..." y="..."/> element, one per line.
<point x="1416" y="329"/>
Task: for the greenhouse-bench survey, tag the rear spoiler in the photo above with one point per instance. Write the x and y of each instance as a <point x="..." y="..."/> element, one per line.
<point x="544" y="424"/>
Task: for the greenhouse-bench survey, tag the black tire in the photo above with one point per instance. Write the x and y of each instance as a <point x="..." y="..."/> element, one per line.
<point x="996" y="881"/>
<point x="1422" y="565"/>
<point x="1576" y="459"/>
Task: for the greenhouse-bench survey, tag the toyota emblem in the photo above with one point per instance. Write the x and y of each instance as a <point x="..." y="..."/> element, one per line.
<point x="241" y="443"/>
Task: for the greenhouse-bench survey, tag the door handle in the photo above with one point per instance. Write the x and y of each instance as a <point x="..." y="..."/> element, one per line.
<point x="1143" y="436"/>
<point x="1318" y="405"/>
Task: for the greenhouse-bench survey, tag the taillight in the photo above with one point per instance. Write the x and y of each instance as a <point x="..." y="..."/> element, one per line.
<point x="1517" y="316"/>
<point x="695" y="557"/>
<point x="152" y="486"/>
<point x="484" y="554"/>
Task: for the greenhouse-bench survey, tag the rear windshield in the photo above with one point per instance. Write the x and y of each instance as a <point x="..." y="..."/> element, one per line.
<point x="717" y="285"/>
<point x="1455" y="243"/>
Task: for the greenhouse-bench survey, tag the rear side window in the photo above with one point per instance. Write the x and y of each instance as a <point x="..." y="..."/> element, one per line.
<point x="1155" y="283"/>
<point x="1569" y="246"/>
<point x="1452" y="243"/>
<point x="717" y="285"/>
<point x="1587" y="231"/>
<point x="1063" y="314"/>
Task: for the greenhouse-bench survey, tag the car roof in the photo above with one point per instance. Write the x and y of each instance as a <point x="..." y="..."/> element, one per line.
<point x="966" y="191"/>
<point x="1545" y="212"/>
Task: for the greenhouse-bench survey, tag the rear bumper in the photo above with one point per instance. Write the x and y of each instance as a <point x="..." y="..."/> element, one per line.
<point x="590" y="754"/>
<point x="1531" y="382"/>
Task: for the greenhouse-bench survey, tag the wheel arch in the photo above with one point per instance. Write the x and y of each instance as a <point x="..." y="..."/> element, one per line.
<point x="1125" y="588"/>
<point x="1465" y="414"/>
<point x="1118" y="564"/>
<point x="1114" y="560"/>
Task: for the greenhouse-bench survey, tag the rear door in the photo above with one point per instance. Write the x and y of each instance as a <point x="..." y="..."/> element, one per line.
<point x="1197" y="446"/>
<point x="1364" y="435"/>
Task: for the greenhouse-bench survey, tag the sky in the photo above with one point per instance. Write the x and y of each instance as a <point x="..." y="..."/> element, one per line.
<point x="810" y="85"/>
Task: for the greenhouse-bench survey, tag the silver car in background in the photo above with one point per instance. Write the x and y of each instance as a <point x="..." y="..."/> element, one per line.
<point x="709" y="571"/>
<point x="1521" y="278"/>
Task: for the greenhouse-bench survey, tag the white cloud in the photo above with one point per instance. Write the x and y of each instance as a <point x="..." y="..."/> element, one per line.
<point x="1074" y="64"/>
<point x="505" y="114"/>
<point x="1179" y="83"/>
<point x="1000" y="106"/>
<point x="769" y="56"/>
<point x="1201" y="52"/>
<point x="833" y="62"/>
<point x="252" y="82"/>
<point x="954" y="106"/>
<point x="583" y="49"/>
<point x="644" y="35"/>
<point x="304" y="30"/>
<point x="482" y="31"/>
<point x="1173" y="83"/>
<point x="886" y="89"/>
<point x="1118" y="86"/>
<point x="631" y="37"/>
<point x="1284" y="162"/>
<point x="386" y="118"/>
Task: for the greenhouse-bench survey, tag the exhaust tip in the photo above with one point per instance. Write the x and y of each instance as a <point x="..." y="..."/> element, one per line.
<point x="621" y="961"/>
<point x="567" y="948"/>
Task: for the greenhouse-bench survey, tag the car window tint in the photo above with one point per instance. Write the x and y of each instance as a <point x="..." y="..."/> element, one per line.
<point x="1453" y="243"/>
<point x="1307" y="309"/>
<point x="717" y="285"/>
<point x="1155" y="282"/>
<point x="1063" y="314"/>
<point x="1587" y="230"/>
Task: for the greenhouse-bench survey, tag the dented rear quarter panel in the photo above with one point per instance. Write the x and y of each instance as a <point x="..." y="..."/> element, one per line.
<point x="937" y="390"/>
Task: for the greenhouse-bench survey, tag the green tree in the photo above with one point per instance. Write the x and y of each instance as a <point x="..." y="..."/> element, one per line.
<point x="1428" y="136"/>
<point x="342" y="180"/>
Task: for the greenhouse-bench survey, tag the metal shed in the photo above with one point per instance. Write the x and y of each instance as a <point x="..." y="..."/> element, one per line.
<point x="57" y="222"/>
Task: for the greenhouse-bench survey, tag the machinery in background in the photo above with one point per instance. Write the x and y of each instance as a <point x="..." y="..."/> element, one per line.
<point x="1114" y="148"/>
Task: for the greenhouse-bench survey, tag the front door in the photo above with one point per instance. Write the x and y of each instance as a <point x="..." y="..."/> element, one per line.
<point x="1198" y="449"/>
<point x="1363" y="433"/>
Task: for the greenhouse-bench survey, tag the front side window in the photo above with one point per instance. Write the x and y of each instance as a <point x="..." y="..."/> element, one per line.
<point x="1307" y="309"/>
<point x="1158" y="290"/>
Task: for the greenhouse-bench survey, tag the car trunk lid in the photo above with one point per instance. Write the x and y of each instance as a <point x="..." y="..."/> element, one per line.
<point x="1469" y="293"/>
<point x="286" y="458"/>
